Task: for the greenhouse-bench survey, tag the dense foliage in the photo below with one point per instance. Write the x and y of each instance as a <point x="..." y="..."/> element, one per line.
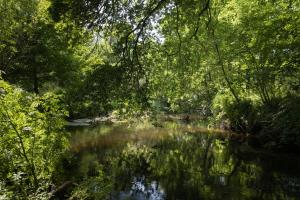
<point x="31" y="142"/>
<point x="234" y="63"/>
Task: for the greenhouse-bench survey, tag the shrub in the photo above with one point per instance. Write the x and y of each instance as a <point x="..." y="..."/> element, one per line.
<point x="284" y="127"/>
<point x="242" y="115"/>
<point x="237" y="116"/>
<point x="31" y="139"/>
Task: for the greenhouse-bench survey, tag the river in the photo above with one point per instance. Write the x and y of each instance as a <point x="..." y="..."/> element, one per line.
<point x="182" y="162"/>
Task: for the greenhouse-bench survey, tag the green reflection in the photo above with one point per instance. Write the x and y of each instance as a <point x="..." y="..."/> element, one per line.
<point x="187" y="164"/>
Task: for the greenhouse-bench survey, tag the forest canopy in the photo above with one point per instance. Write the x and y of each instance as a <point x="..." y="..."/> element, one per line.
<point x="234" y="62"/>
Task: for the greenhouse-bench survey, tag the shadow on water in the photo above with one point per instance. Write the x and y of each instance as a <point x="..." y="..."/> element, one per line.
<point x="186" y="162"/>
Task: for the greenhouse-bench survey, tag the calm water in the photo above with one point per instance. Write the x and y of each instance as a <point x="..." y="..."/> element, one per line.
<point x="183" y="162"/>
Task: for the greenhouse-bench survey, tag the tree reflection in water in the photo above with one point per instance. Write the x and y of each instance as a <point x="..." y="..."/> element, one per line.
<point x="199" y="166"/>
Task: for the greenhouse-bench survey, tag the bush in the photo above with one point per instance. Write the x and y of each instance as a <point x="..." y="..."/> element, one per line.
<point x="284" y="127"/>
<point x="238" y="116"/>
<point x="242" y="115"/>
<point x="276" y="123"/>
<point x="31" y="140"/>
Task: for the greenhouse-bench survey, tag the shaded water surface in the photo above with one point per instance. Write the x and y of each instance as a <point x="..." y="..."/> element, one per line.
<point x="185" y="162"/>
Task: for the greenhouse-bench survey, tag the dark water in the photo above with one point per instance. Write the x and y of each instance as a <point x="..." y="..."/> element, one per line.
<point x="181" y="162"/>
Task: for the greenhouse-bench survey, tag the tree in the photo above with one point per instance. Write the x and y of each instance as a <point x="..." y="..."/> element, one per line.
<point x="35" y="50"/>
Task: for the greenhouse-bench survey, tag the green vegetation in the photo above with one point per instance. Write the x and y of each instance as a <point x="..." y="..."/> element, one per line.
<point x="234" y="64"/>
<point x="31" y="141"/>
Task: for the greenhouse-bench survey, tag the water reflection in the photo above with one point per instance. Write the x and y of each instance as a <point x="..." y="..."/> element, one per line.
<point x="141" y="190"/>
<point x="181" y="162"/>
